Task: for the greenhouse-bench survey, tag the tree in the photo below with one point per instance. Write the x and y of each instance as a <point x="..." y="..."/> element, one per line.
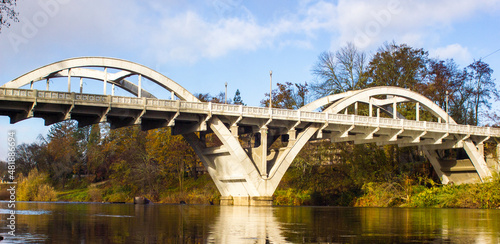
<point x="288" y="95"/>
<point x="206" y="97"/>
<point x="237" y="98"/>
<point x="445" y="78"/>
<point x="442" y="78"/>
<point x="7" y="13"/>
<point x="220" y="98"/>
<point x="398" y="65"/>
<point x="480" y="75"/>
<point x="64" y="153"/>
<point x="301" y="95"/>
<point x="96" y="157"/>
<point x="203" y="97"/>
<point x="341" y="71"/>
<point x="28" y="157"/>
<point x="173" y="153"/>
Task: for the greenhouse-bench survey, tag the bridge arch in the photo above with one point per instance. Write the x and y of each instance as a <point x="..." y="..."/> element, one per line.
<point x="338" y="102"/>
<point x="234" y="162"/>
<point x="75" y="67"/>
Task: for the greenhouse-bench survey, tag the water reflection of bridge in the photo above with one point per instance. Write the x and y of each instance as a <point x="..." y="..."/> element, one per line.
<point x="247" y="176"/>
<point x="243" y="224"/>
<point x="240" y="224"/>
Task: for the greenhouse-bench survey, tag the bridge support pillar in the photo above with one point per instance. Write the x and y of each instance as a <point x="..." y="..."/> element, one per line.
<point x="263" y="156"/>
<point x="433" y="158"/>
<point x="246" y="201"/>
<point x="261" y="201"/>
<point x="234" y="131"/>
<point x="477" y="159"/>
<point x="292" y="136"/>
<point x="480" y="149"/>
<point x="246" y="177"/>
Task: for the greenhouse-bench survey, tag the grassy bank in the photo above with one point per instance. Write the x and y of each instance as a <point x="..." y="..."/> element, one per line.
<point x="195" y="191"/>
<point x="36" y="187"/>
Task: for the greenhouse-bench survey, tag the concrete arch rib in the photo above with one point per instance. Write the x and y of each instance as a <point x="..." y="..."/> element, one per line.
<point x="51" y="70"/>
<point x="338" y="102"/>
<point x="118" y="79"/>
<point x="341" y="101"/>
<point x="327" y="100"/>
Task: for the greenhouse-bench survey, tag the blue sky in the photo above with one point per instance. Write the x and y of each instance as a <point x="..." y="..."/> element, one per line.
<point x="203" y="44"/>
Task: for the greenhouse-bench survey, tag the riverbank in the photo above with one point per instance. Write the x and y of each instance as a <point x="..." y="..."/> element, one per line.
<point x="36" y="187"/>
<point x="402" y="192"/>
<point x="195" y="191"/>
<point x="296" y="188"/>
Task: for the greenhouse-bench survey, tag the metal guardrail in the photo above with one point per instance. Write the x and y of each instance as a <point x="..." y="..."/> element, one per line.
<point x="259" y="112"/>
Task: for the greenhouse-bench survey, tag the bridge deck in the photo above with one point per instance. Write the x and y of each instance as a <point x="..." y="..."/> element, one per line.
<point x="17" y="100"/>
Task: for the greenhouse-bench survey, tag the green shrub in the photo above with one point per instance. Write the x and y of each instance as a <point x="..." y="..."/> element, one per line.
<point x="381" y="195"/>
<point x="292" y="196"/>
<point x="481" y="195"/>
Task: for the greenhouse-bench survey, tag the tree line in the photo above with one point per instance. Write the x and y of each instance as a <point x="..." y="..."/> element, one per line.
<point x="470" y="90"/>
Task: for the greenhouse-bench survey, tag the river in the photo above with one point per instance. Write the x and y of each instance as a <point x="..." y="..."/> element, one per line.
<point x="38" y="222"/>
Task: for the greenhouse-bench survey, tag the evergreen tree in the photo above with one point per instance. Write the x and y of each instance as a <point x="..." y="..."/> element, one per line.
<point x="237" y="98"/>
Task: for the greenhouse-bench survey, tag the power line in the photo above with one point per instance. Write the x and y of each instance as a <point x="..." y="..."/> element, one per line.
<point x="490" y="54"/>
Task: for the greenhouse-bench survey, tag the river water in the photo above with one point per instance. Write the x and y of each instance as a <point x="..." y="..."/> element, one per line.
<point x="37" y="222"/>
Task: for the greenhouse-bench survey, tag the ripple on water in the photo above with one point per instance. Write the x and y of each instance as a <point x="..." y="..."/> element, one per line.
<point x="114" y="216"/>
<point x="25" y="212"/>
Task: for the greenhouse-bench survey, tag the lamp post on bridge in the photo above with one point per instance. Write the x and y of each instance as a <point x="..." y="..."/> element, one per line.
<point x="225" y="95"/>
<point x="447" y="114"/>
<point x="270" y="89"/>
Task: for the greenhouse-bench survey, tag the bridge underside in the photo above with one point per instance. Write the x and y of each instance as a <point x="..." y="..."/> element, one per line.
<point x="242" y="164"/>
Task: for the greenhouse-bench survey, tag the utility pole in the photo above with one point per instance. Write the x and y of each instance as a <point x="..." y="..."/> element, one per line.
<point x="447" y="112"/>
<point x="225" y="95"/>
<point x="271" y="89"/>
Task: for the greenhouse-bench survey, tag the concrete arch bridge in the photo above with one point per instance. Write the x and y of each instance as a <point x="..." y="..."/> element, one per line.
<point x="247" y="175"/>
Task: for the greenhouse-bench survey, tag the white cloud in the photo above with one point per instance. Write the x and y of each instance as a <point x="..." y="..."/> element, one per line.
<point x="188" y="37"/>
<point x="72" y="28"/>
<point x="454" y="51"/>
<point x="370" y="23"/>
<point x="173" y="31"/>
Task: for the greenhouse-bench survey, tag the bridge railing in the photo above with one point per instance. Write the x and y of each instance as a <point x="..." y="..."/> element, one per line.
<point x="91" y="98"/>
<point x="193" y="105"/>
<point x="256" y="111"/>
<point x="161" y="103"/>
<point x="262" y="112"/>
<point x="285" y="113"/>
<point x="128" y="100"/>
<point x="16" y="92"/>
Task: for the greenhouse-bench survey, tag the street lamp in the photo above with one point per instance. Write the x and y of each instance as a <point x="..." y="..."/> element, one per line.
<point x="447" y="114"/>
<point x="225" y="94"/>
<point x="270" y="89"/>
